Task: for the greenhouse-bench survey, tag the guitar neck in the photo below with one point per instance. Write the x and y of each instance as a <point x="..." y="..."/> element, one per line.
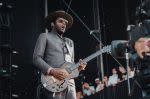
<point x="92" y="56"/>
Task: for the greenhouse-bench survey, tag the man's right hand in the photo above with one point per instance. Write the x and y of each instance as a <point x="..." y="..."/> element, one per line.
<point x="58" y="73"/>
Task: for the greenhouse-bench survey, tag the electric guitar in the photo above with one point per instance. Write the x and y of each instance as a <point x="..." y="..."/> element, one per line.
<point x="54" y="85"/>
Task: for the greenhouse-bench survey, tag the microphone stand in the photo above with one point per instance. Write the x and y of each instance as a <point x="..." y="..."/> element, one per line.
<point x="127" y="64"/>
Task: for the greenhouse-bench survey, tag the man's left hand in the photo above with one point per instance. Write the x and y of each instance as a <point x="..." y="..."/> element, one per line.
<point x="82" y="65"/>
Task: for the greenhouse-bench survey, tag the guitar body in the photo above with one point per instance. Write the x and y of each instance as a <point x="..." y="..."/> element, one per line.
<point x="54" y="85"/>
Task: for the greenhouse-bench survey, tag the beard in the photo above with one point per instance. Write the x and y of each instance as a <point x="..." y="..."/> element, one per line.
<point x="59" y="31"/>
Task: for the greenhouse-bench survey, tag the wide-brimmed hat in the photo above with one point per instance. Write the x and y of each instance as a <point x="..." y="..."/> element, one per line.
<point x="54" y="15"/>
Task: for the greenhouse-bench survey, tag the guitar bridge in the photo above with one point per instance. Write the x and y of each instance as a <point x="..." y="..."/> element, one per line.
<point x="62" y="83"/>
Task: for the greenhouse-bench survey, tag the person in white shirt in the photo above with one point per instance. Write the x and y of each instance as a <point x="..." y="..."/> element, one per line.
<point x="113" y="79"/>
<point x="88" y="90"/>
<point x="99" y="85"/>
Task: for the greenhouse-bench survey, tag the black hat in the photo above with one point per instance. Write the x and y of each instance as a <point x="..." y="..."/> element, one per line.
<point x="54" y="15"/>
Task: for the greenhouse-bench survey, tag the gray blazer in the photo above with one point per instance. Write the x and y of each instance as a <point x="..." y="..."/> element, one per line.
<point x="49" y="51"/>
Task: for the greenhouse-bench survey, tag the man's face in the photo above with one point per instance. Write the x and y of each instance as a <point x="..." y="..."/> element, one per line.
<point x="122" y="69"/>
<point x="105" y="78"/>
<point x="97" y="81"/>
<point x="60" y="25"/>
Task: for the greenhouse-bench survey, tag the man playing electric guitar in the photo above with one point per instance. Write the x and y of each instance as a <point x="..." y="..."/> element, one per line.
<point x="52" y="50"/>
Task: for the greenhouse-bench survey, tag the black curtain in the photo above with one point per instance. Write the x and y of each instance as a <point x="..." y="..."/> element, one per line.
<point x="27" y="25"/>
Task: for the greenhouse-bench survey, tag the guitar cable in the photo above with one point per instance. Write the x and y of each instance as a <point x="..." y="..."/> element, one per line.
<point x="38" y="91"/>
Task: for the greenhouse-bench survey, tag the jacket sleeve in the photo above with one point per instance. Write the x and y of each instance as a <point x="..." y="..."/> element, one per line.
<point x="38" y="55"/>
